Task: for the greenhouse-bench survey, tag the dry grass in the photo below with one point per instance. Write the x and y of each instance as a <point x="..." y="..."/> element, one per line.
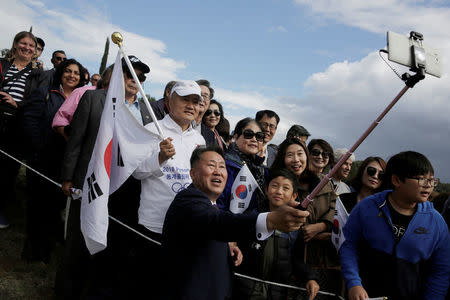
<point x="19" y="279"/>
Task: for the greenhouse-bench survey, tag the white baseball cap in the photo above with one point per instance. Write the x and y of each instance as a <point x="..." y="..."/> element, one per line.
<point x="187" y="87"/>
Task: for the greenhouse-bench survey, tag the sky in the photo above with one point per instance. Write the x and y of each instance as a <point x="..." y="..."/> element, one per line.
<point x="315" y="63"/>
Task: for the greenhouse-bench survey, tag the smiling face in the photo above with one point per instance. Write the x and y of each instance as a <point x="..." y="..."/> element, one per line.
<point x="183" y="109"/>
<point x="206" y="95"/>
<point x="295" y="159"/>
<point x="25" y="48"/>
<point x="319" y="159"/>
<point x="213" y="118"/>
<point x="280" y="191"/>
<point x="369" y="179"/>
<point x="71" y="77"/>
<point x="249" y="146"/>
<point x="269" y="126"/>
<point x="209" y="174"/>
<point x="344" y="170"/>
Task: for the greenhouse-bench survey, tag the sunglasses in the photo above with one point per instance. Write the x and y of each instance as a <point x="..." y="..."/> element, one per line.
<point x="371" y="171"/>
<point x="140" y="76"/>
<point x="249" y="134"/>
<point x="59" y="58"/>
<point x="316" y="152"/>
<point x="215" y="112"/>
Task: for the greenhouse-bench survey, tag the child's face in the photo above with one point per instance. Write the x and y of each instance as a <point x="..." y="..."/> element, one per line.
<point x="412" y="191"/>
<point x="279" y="192"/>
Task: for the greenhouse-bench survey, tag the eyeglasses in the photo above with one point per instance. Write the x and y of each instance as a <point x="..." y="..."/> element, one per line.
<point x="271" y="126"/>
<point x="316" y="152"/>
<point x="140" y="76"/>
<point x="426" y="181"/>
<point x="206" y="96"/>
<point x="249" y="134"/>
<point x="59" y="58"/>
<point x="215" y="112"/>
<point x="371" y="171"/>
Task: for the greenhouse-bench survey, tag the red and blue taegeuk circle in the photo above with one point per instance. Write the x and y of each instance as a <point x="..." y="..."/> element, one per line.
<point x="241" y="191"/>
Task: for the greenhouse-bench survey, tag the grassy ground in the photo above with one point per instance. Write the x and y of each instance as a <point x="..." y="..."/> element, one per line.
<point x="19" y="279"/>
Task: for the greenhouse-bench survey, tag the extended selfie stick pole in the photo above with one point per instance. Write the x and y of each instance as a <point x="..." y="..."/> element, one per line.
<point x="410" y="81"/>
<point x="117" y="39"/>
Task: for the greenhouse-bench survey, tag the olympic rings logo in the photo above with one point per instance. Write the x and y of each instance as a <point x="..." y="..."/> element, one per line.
<point x="178" y="187"/>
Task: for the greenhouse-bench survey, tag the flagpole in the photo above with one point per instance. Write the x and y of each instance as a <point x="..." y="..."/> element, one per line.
<point x="117" y="39"/>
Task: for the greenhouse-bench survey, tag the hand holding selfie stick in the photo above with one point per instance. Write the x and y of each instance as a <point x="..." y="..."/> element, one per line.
<point x="410" y="81"/>
<point x="117" y="39"/>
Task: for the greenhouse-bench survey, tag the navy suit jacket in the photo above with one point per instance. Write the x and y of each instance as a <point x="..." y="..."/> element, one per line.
<point x="196" y="256"/>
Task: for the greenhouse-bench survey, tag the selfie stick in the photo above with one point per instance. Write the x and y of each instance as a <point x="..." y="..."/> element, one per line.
<point x="410" y="81"/>
<point x="117" y="39"/>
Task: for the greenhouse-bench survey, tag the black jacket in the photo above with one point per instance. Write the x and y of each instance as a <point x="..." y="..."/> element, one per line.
<point x="195" y="251"/>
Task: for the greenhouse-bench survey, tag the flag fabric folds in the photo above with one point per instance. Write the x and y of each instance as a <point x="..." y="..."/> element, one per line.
<point x="340" y="218"/>
<point x="122" y="144"/>
<point x="243" y="187"/>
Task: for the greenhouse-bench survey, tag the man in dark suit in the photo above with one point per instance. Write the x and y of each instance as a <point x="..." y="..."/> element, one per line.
<point x="197" y="258"/>
<point x="75" y="265"/>
<point x="207" y="95"/>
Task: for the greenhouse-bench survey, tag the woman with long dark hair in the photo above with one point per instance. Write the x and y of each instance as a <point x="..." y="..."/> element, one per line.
<point x="214" y="116"/>
<point x="46" y="151"/>
<point x="321" y="154"/>
<point x="319" y="252"/>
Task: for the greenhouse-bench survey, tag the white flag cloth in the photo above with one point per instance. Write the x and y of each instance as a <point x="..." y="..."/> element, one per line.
<point x="242" y="190"/>
<point x="122" y="144"/>
<point x="340" y="218"/>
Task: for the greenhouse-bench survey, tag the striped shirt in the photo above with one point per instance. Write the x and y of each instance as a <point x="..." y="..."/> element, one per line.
<point x="16" y="87"/>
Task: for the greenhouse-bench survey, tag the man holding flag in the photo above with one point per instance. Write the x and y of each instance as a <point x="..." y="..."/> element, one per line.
<point x="163" y="174"/>
<point x="72" y="273"/>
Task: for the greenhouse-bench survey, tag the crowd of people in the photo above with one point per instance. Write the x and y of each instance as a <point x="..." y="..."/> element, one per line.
<point x="396" y="244"/>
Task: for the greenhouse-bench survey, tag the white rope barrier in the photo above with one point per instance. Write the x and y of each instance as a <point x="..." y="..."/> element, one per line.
<point x="158" y="243"/>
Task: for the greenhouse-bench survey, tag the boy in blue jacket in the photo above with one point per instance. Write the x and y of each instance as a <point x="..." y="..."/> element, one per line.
<point x="396" y="244"/>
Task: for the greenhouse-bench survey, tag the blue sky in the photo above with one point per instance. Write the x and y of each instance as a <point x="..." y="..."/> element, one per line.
<point x="313" y="62"/>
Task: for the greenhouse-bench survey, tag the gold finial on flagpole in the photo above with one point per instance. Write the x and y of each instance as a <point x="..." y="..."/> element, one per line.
<point x="117" y="38"/>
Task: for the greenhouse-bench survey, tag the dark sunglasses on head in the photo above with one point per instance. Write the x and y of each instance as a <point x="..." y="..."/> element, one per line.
<point x="316" y="152"/>
<point x="140" y="76"/>
<point x="371" y="171"/>
<point x="215" y="112"/>
<point x="249" y="134"/>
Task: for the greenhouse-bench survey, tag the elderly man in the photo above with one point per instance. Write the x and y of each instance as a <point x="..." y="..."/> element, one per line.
<point x="269" y="121"/>
<point x="164" y="174"/>
<point x="196" y="253"/>
<point x="341" y="187"/>
<point x="207" y="95"/>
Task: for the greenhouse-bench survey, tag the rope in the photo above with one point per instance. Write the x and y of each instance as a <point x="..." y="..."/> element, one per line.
<point x="158" y="243"/>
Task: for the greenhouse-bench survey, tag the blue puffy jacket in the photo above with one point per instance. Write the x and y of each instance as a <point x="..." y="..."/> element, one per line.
<point x="416" y="267"/>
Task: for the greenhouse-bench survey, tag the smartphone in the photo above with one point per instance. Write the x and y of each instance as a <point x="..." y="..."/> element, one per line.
<point x="399" y="51"/>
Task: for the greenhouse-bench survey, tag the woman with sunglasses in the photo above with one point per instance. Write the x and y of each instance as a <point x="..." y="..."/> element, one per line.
<point x="319" y="252"/>
<point x="248" y="136"/>
<point x="45" y="153"/>
<point x="367" y="181"/>
<point x="321" y="155"/>
<point x="214" y="116"/>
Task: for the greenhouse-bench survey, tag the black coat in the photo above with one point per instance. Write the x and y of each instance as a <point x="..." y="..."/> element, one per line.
<point x="196" y="256"/>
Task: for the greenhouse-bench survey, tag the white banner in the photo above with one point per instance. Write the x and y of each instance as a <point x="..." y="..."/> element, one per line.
<point x="122" y="144"/>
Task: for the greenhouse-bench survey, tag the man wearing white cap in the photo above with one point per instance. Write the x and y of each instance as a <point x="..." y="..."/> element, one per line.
<point x="166" y="172"/>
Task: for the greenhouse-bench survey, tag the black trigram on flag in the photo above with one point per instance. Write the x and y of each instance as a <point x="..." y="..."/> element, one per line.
<point x="119" y="157"/>
<point x="114" y="106"/>
<point x="249" y="188"/>
<point x="243" y="178"/>
<point x="241" y="205"/>
<point x="94" y="189"/>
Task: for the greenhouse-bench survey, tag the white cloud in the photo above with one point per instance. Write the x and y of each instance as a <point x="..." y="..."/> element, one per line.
<point x="278" y="28"/>
<point x="82" y="35"/>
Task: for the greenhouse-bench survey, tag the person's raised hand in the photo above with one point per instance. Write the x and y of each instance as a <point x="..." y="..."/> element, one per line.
<point x="166" y="150"/>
